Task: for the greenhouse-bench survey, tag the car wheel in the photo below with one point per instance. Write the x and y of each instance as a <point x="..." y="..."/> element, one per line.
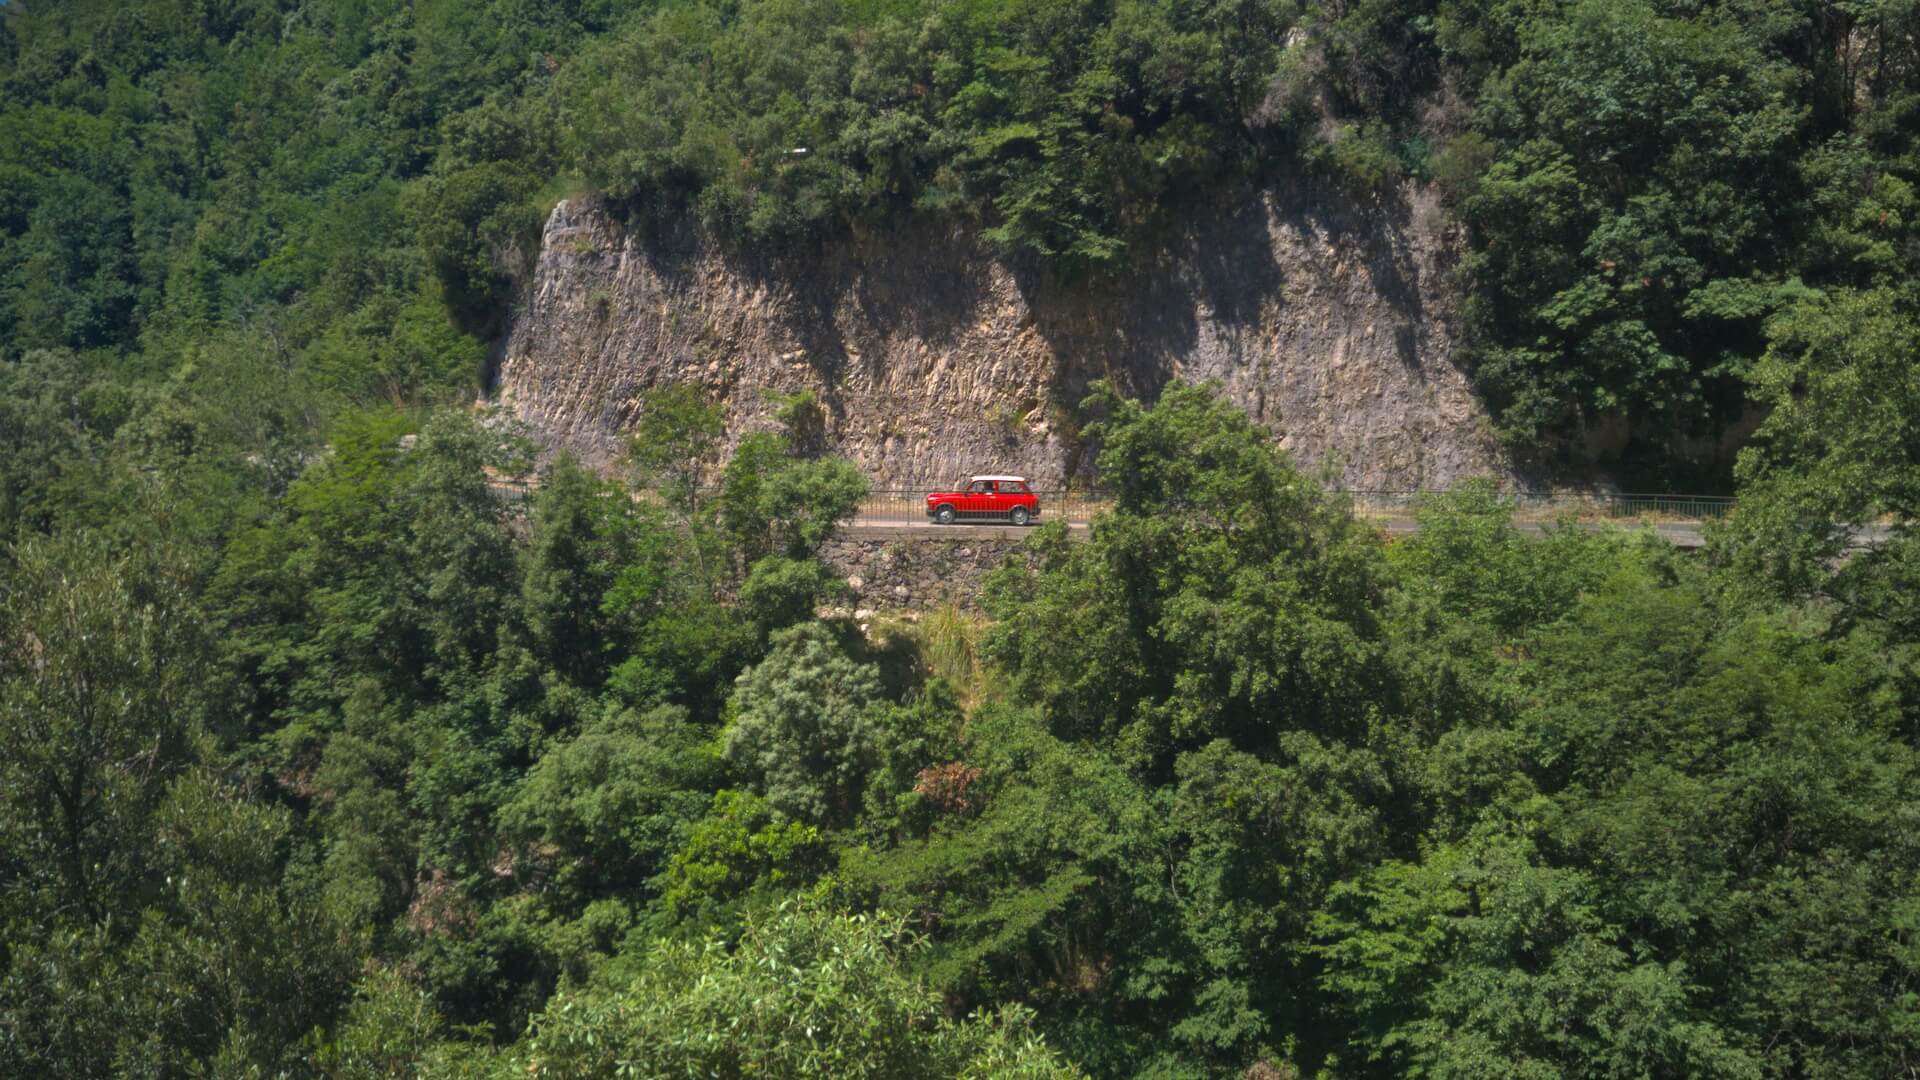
<point x="944" y="515"/>
<point x="1019" y="515"/>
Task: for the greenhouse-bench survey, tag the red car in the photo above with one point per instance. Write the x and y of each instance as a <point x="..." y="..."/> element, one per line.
<point x="986" y="498"/>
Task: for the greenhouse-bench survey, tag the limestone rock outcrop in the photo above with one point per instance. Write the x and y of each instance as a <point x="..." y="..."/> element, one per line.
<point x="934" y="357"/>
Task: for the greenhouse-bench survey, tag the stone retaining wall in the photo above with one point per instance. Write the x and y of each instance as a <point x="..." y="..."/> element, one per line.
<point x="914" y="570"/>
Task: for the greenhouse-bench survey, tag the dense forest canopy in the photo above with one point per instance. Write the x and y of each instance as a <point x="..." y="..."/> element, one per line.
<point x="1643" y="187"/>
<point x="318" y="757"/>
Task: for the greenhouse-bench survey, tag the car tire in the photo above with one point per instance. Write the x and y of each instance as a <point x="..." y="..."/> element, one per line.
<point x="1018" y="516"/>
<point x="944" y="515"/>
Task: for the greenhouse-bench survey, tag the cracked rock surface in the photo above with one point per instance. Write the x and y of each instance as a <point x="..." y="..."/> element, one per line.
<point x="934" y="357"/>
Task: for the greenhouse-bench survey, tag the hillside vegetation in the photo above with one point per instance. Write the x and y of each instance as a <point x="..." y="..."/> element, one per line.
<point x="1644" y="188"/>
<point x="387" y="781"/>
<point x="320" y="758"/>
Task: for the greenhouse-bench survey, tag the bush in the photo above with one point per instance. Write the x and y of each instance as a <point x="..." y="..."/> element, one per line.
<point x="803" y="993"/>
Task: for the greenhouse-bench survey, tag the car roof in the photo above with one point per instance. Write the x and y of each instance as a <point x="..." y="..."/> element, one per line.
<point x="995" y="476"/>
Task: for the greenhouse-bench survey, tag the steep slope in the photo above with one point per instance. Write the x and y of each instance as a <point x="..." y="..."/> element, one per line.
<point x="934" y="357"/>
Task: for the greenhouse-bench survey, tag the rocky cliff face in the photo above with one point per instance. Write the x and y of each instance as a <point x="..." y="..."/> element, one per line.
<point x="934" y="358"/>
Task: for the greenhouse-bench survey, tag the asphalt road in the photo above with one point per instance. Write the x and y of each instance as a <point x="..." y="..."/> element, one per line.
<point x="1680" y="534"/>
<point x="926" y="529"/>
<point x="1683" y="534"/>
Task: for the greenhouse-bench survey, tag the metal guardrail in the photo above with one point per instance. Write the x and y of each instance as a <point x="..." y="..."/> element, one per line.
<point x="515" y="493"/>
<point x="908" y="505"/>
<point x="1547" y="506"/>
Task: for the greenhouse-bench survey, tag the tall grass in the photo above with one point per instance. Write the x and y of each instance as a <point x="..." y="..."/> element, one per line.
<point x="950" y="648"/>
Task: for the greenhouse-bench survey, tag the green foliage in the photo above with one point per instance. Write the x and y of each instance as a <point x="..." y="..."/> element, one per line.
<point x="781" y="591"/>
<point x="56" y="415"/>
<point x="1235" y="785"/>
<point x="1661" y="180"/>
<point x="441" y="698"/>
<point x="214" y="964"/>
<point x="741" y="846"/>
<point x="1039" y="886"/>
<point x="229" y="965"/>
<point x="347" y="177"/>
<point x="1834" y="453"/>
<point x="584" y="534"/>
<point x="1661" y="812"/>
<point x="102" y="652"/>
<point x="387" y="1031"/>
<point x="318" y="757"/>
<point x="950" y="641"/>
<point x="1448" y="932"/>
<point x="1226" y="597"/>
<point x="1470" y="561"/>
<point x="469" y="223"/>
<point x="673" y="443"/>
<point x="774" y="503"/>
<point x="371" y="217"/>
<point x="1061" y="127"/>
<point x="602" y="812"/>
<point x="803" y="993"/>
<point x="805" y="727"/>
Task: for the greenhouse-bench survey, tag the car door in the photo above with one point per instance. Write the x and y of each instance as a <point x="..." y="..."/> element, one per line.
<point x="1012" y="494"/>
<point x="977" y="501"/>
<point x="1005" y="496"/>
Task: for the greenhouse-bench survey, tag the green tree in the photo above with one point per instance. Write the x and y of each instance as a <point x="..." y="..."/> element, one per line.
<point x="389" y="1032"/>
<point x="807" y="728"/>
<point x="572" y="561"/>
<point x="1046" y="877"/>
<point x="56" y="417"/>
<point x="774" y="503"/>
<point x="103" y="652"/>
<point x="673" y="443"/>
<point x="470" y="222"/>
<point x="607" y="808"/>
<point x="741" y="852"/>
<point x="803" y="993"/>
<point x="1609" y="278"/>
<point x="1225" y="596"/>
<point x="1836" y="451"/>
<point x="1483" y="962"/>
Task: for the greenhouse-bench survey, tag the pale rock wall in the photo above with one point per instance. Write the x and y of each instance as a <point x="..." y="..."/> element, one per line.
<point x="934" y="357"/>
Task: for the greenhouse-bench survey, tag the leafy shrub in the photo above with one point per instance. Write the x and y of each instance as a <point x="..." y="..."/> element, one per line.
<point x="806" y="726"/>
<point x="802" y="993"/>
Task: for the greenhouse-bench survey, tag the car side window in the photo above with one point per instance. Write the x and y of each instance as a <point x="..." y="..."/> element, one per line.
<point x="980" y="487"/>
<point x="1013" y="489"/>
